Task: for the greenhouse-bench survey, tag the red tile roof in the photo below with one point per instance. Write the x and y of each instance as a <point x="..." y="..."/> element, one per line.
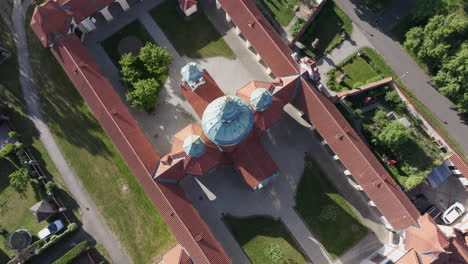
<point x="183" y="220"/>
<point x="176" y="255"/>
<point x="253" y="162"/>
<point x="427" y="238"/>
<point x="256" y="28"/>
<point x="203" y="94"/>
<point x="459" y="247"/>
<point x="460" y="164"/>
<point x="81" y="9"/>
<point x="357" y="157"/>
<point x="409" y="258"/>
<point x="247" y="89"/>
<point x="187" y="4"/>
<point x="50" y="22"/>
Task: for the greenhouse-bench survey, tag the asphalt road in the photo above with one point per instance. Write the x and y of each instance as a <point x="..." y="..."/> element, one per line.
<point x="376" y="27"/>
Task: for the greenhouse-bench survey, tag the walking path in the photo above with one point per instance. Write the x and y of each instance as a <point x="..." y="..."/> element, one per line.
<point x="92" y="220"/>
<point x="394" y="54"/>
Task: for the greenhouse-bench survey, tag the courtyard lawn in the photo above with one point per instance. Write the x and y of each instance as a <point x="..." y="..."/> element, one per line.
<point x="281" y="10"/>
<point x="327" y="27"/>
<point x="326" y="212"/>
<point x="122" y="202"/>
<point x="111" y="44"/>
<point x="358" y="71"/>
<point x="255" y="234"/>
<point x="195" y="37"/>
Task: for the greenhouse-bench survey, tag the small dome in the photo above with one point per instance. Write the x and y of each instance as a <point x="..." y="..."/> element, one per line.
<point x="227" y="120"/>
<point x="260" y="99"/>
<point x="194" y="146"/>
<point x="191" y="73"/>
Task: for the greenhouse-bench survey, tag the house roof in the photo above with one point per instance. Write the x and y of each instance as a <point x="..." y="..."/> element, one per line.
<point x="460" y="164"/>
<point x="266" y="119"/>
<point x="203" y="95"/>
<point x="357" y="157"/>
<point x="178" y="213"/>
<point x="50" y="22"/>
<point x="42" y="210"/>
<point x="176" y="255"/>
<point x="427" y="238"/>
<point x="81" y="9"/>
<point x="259" y="32"/>
<point x="253" y="162"/>
<point x="409" y="258"/>
<point x="187" y="4"/>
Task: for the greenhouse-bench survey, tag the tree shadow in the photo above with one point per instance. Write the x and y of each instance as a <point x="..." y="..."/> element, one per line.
<point x="3" y="257"/>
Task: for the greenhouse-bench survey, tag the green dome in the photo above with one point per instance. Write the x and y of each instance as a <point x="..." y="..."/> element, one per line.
<point x="261" y="99"/>
<point x="227" y="120"/>
<point x="194" y="146"/>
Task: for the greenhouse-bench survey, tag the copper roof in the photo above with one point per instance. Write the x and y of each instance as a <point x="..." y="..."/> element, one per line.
<point x="357" y="157"/>
<point x="259" y="32"/>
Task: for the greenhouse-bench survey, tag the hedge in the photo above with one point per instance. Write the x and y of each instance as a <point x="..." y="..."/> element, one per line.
<point x="73" y="253"/>
<point x="53" y="239"/>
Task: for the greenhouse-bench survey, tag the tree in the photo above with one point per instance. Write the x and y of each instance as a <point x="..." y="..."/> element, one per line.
<point x="155" y="58"/>
<point x="394" y="134"/>
<point x="19" y="179"/>
<point x="129" y="69"/>
<point x="274" y="252"/>
<point x="144" y="94"/>
<point x="380" y="118"/>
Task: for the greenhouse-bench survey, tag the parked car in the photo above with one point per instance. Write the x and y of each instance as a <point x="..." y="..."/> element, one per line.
<point x="50" y="229"/>
<point x="453" y="213"/>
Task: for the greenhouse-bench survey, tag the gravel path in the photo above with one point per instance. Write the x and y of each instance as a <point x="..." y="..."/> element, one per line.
<point x="93" y="222"/>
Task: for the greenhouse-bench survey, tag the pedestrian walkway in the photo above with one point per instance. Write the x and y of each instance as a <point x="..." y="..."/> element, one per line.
<point x="93" y="223"/>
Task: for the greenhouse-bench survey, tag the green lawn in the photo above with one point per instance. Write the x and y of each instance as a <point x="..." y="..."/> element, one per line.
<point x="97" y="162"/>
<point x="195" y="38"/>
<point x="281" y="10"/>
<point x="14" y="211"/>
<point x="111" y="44"/>
<point x="358" y="71"/>
<point x="327" y="27"/>
<point x="255" y="234"/>
<point x="326" y="212"/>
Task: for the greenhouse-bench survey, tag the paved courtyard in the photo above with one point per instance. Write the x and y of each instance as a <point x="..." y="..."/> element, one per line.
<point x="174" y="113"/>
<point x="224" y="192"/>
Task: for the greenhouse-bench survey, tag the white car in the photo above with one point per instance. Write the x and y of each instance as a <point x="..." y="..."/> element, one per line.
<point x="453" y="213"/>
<point x="50" y="229"/>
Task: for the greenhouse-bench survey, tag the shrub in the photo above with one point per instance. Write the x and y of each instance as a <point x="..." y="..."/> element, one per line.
<point x="144" y="95"/>
<point x="374" y="79"/>
<point x="413" y="181"/>
<point x="357" y="85"/>
<point x="51" y="187"/>
<point x="7" y="149"/>
<point x="358" y="114"/>
<point x="73" y="253"/>
<point x="19" y="145"/>
<point x="394" y="134"/>
<point x="296" y="27"/>
<point x="19" y="179"/>
<point x="129" y="69"/>
<point x="55" y="238"/>
<point x="13" y="134"/>
<point x="155" y="58"/>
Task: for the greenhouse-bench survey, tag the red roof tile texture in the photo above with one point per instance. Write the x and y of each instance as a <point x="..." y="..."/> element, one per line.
<point x="357" y="157"/>
<point x="82" y="9"/>
<point x="187" y="4"/>
<point x="259" y="32"/>
<point x="183" y="220"/>
<point x="460" y="164"/>
<point x="253" y="162"/>
<point x="49" y="21"/>
<point x="427" y="238"/>
<point x="203" y="94"/>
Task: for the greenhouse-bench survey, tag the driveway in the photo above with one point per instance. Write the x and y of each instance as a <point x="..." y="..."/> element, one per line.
<point x="223" y="191"/>
<point x="416" y="80"/>
<point x="173" y="112"/>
